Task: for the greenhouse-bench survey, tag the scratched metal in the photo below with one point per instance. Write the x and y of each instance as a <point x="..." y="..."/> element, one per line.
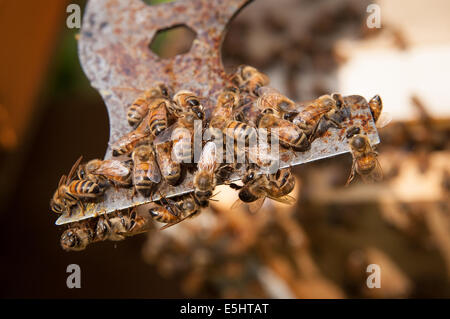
<point x="114" y="53"/>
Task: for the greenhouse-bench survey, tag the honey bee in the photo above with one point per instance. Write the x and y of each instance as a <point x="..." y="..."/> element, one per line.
<point x="272" y="98"/>
<point x="158" y="119"/>
<point x="257" y="187"/>
<point x="77" y="237"/>
<point x="205" y="178"/>
<point x="169" y="168"/>
<point x="139" y="108"/>
<point x="249" y="79"/>
<point x="325" y="112"/>
<point x="380" y="118"/>
<point x="182" y="133"/>
<point x="172" y="212"/>
<point x="223" y="121"/>
<point x="289" y="134"/>
<point x="187" y="101"/>
<point x="146" y="173"/>
<point x="120" y="226"/>
<point x="70" y="192"/>
<point x="365" y="161"/>
<point x="127" y="143"/>
<point x="100" y="171"/>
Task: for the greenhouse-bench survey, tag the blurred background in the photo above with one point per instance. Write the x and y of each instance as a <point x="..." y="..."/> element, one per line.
<point x="319" y="248"/>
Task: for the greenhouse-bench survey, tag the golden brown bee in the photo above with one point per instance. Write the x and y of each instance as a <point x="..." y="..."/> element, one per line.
<point x="227" y="100"/>
<point x="114" y="228"/>
<point x="127" y="143"/>
<point x="321" y="114"/>
<point x="121" y="225"/>
<point x="158" y="119"/>
<point x="169" y="168"/>
<point x="78" y="236"/>
<point x="272" y="98"/>
<point x="139" y="108"/>
<point x="172" y="212"/>
<point x="182" y="133"/>
<point x="257" y="187"/>
<point x="187" y="101"/>
<point x="249" y="79"/>
<point x="376" y="106"/>
<point x="380" y="118"/>
<point x="222" y="118"/>
<point x="69" y="192"/>
<point x="146" y="173"/>
<point x="365" y="161"/>
<point x="205" y="178"/>
<point x="100" y="171"/>
<point x="289" y="134"/>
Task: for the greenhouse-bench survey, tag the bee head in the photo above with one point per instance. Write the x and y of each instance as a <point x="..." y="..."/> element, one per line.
<point x="246" y="196"/>
<point x="70" y="240"/>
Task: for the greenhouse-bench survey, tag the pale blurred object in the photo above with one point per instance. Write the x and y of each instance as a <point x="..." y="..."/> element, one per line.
<point x="404" y="59"/>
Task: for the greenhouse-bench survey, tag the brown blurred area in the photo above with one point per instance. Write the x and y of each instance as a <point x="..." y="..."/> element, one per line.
<point x="319" y="248"/>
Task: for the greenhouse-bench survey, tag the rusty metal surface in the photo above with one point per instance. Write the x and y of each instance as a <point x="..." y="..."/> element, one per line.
<point x="114" y="53"/>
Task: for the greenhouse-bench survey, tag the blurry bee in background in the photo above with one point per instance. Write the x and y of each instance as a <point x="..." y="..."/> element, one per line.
<point x="172" y="212"/>
<point x="77" y="237"/>
<point x="70" y="192"/>
<point x="187" y="101"/>
<point x="102" y="171"/>
<point x="120" y="226"/>
<point x="170" y="169"/>
<point x="289" y="134"/>
<point x="257" y="187"/>
<point x="146" y="173"/>
<point x="205" y="178"/>
<point x="249" y="79"/>
<point x="325" y="112"/>
<point x="380" y="118"/>
<point x="139" y="108"/>
<point x="365" y="161"/>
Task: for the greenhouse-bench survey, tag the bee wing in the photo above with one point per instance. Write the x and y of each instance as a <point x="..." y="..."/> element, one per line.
<point x="112" y="167"/>
<point x="165" y="135"/>
<point x="154" y="174"/>
<point x="287" y="199"/>
<point x="262" y="155"/>
<point x="129" y="138"/>
<point x="254" y="207"/>
<point x="207" y="161"/>
<point x="174" y="223"/>
<point x="237" y="204"/>
<point x="73" y="169"/>
<point x="384" y="119"/>
<point x="376" y="175"/>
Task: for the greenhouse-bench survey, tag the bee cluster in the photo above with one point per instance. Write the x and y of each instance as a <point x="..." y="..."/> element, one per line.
<point x="160" y="148"/>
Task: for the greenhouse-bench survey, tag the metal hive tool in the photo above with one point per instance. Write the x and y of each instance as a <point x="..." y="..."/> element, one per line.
<point x="114" y="53"/>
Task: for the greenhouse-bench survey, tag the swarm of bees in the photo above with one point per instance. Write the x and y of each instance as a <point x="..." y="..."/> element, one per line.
<point x="160" y="149"/>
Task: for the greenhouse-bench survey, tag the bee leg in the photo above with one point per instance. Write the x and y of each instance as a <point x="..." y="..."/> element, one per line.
<point x="352" y="174"/>
<point x="235" y="186"/>
<point x="81" y="206"/>
<point x="239" y="116"/>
